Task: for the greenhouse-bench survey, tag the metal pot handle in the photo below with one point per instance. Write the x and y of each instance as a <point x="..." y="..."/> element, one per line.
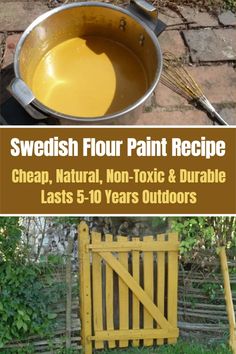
<point x="22" y="93"/>
<point x="148" y="14"/>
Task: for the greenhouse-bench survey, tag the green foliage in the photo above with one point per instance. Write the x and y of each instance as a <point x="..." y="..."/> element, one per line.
<point x="159" y="223"/>
<point x="191" y="230"/>
<point x="53" y="348"/>
<point x="212" y="290"/>
<point x="26" y="289"/>
<point x="9" y="225"/>
<point x="183" y="347"/>
<point x="10" y="234"/>
<point x="230" y="5"/>
<point x="27" y="349"/>
<point x="204" y="232"/>
<point x="25" y="301"/>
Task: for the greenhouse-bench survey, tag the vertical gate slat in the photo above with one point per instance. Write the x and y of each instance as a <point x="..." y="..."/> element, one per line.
<point x="97" y="291"/>
<point x="172" y="286"/>
<point x="85" y="292"/>
<point x="109" y="298"/>
<point x="161" y="282"/>
<point x="148" y="286"/>
<point x="136" y="304"/>
<point x="123" y="295"/>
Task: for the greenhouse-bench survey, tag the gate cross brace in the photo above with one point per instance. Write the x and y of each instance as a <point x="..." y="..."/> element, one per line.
<point x="136" y="289"/>
<point x="133" y="334"/>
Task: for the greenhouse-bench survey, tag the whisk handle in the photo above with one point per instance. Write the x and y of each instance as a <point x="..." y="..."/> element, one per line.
<point x="208" y="106"/>
<point x="219" y="118"/>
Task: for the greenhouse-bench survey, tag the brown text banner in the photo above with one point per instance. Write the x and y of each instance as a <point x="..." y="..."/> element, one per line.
<point x="139" y="170"/>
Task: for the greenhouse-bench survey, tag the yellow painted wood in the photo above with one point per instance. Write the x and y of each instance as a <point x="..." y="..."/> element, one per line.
<point x="228" y="299"/>
<point x="172" y="286"/>
<point x="161" y="281"/>
<point x="136" y="304"/>
<point x="137" y="290"/>
<point x="148" y="286"/>
<point x="109" y="297"/>
<point x="135" y="246"/>
<point x="167" y="327"/>
<point x="97" y="291"/>
<point x="123" y="294"/>
<point x="68" y="292"/>
<point x="136" y="334"/>
<point x="85" y="292"/>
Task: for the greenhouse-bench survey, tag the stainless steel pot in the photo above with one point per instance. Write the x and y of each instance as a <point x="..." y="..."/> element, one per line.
<point x="137" y="28"/>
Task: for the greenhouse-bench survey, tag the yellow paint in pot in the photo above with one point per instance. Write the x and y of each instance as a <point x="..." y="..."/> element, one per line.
<point x="88" y="77"/>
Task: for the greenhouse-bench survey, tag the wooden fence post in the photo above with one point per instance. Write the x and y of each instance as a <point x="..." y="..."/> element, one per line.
<point x="228" y="299"/>
<point x="172" y="298"/>
<point x="68" y="292"/>
<point x="85" y="288"/>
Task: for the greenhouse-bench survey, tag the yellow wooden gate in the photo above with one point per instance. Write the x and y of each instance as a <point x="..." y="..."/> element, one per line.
<point x="128" y="290"/>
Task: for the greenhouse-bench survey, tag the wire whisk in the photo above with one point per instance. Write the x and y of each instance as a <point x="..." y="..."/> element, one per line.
<point x="178" y="79"/>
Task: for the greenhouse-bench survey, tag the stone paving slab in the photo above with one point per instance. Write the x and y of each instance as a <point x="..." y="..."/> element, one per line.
<point x="229" y="114"/>
<point x="17" y="15"/>
<point x="167" y="98"/>
<point x="211" y="44"/>
<point x="218" y="82"/>
<point x="191" y="117"/>
<point x="172" y="41"/>
<point x="201" y="19"/>
<point x="11" y="43"/>
<point x="171" y="19"/>
<point x="227" y="18"/>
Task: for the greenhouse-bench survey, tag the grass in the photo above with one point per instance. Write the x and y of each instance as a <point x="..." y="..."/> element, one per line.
<point x="182" y="347"/>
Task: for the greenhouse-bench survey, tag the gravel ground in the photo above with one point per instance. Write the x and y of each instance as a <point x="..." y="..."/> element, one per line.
<point x="214" y="6"/>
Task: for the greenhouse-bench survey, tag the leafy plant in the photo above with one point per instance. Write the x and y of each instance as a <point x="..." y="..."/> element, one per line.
<point x="212" y="291"/>
<point x="205" y="232"/>
<point x="10" y="233"/>
<point x="26" y="349"/>
<point x="25" y="301"/>
<point x="26" y="289"/>
<point x="230" y="5"/>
